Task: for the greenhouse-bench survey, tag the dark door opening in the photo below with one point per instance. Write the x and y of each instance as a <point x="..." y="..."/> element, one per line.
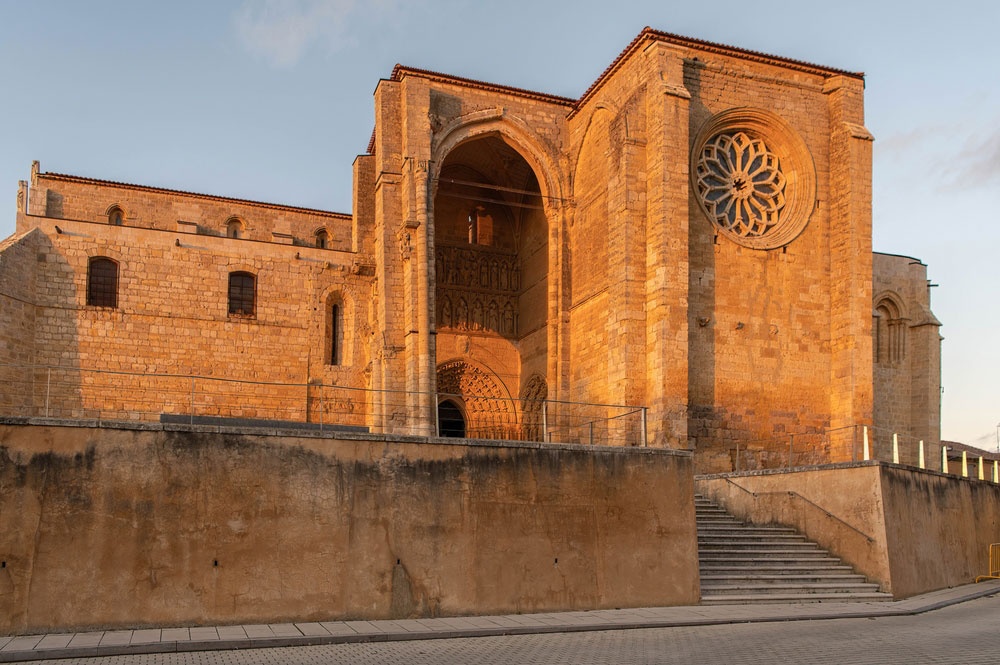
<point x="451" y="422"/>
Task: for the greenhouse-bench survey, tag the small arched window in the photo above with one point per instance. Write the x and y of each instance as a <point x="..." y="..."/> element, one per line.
<point x="102" y="282"/>
<point x="322" y="239"/>
<point x="116" y="217"/>
<point x="242" y="294"/>
<point x="235" y="228"/>
<point x="888" y="334"/>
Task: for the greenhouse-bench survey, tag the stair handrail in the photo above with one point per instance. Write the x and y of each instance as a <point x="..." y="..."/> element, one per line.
<point x="757" y="495"/>
<point x="740" y="487"/>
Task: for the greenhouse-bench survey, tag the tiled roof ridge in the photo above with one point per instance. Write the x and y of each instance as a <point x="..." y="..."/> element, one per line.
<point x="165" y="190"/>
<point x="713" y="47"/>
<point x="400" y="70"/>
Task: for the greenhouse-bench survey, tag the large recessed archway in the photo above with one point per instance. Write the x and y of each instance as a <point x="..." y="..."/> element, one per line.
<point x="491" y="261"/>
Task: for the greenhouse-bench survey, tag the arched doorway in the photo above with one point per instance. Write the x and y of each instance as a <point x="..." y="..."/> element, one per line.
<point x="487" y="410"/>
<point x="451" y="420"/>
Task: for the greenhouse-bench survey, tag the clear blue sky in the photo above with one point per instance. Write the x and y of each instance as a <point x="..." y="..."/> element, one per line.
<point x="271" y="100"/>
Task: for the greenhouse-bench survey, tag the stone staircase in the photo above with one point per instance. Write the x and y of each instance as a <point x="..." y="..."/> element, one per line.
<point x="742" y="563"/>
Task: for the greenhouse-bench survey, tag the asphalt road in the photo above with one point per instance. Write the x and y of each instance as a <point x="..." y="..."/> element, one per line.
<point x="967" y="633"/>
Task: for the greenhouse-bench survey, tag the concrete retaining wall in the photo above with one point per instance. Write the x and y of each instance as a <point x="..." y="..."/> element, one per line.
<point x="165" y="525"/>
<point x="910" y="530"/>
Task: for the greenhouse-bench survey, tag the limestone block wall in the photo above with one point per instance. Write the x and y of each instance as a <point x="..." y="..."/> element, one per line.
<point x="906" y="351"/>
<point x="747" y="330"/>
<point x="172" y="319"/>
<point x="115" y="528"/>
<point x="759" y="319"/>
<point x="19" y="256"/>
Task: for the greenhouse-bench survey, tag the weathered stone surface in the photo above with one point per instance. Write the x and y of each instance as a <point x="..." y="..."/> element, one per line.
<point x="118" y="527"/>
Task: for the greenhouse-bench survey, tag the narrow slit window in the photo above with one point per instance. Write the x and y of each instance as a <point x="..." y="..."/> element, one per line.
<point x="336" y="333"/>
<point x="242" y="294"/>
<point x="322" y="239"/>
<point x="102" y="283"/>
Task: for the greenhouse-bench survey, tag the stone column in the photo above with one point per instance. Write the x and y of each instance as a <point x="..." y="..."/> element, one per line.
<point x="389" y="370"/>
<point x="417" y="238"/>
<point x="666" y="269"/>
<point x="559" y="217"/>
<point x="851" y="380"/>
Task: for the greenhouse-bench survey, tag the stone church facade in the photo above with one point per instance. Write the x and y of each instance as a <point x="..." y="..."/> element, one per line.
<point x="692" y="235"/>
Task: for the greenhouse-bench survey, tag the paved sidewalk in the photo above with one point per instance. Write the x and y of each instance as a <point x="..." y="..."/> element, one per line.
<point x="211" y="638"/>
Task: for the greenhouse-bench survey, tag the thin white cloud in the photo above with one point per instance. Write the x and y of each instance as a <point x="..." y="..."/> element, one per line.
<point x="962" y="154"/>
<point x="978" y="162"/>
<point x="280" y="31"/>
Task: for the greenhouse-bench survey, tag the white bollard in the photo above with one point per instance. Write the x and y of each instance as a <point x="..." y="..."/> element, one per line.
<point x="867" y="452"/>
<point x="895" y="448"/>
<point x="921" y="451"/>
<point x="965" y="465"/>
<point x="944" y="459"/>
<point x="981" y="476"/>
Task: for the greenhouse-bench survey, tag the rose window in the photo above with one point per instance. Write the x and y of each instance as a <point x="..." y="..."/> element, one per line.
<point x="740" y="185"/>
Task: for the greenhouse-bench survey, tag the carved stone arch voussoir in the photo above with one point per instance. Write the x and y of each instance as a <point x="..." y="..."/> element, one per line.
<point x="487" y="405"/>
<point x="894" y="302"/>
<point x="515" y="132"/>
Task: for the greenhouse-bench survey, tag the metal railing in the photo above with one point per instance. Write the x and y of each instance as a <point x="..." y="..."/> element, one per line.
<point x="856" y="443"/>
<point x="795" y="495"/>
<point x="107" y="395"/>
<point x="994" y="573"/>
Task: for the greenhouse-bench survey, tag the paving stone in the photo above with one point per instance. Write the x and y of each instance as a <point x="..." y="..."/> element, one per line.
<point x="285" y="630"/>
<point x="23" y="643"/>
<point x="85" y="640"/>
<point x="312" y="629"/>
<point x="146" y="636"/>
<point x="175" y="635"/>
<point x="258" y="630"/>
<point x="55" y="641"/>
<point x="231" y="633"/>
<point x="338" y="628"/>
<point x="114" y="638"/>
<point x="206" y="633"/>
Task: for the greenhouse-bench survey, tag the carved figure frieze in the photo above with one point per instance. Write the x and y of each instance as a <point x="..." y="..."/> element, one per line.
<point x="477" y="289"/>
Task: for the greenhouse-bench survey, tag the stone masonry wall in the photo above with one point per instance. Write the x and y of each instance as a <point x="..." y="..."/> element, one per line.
<point x="19" y="256"/>
<point x="128" y="528"/>
<point x="759" y="319"/>
<point x="906" y="353"/>
<point x="172" y="320"/>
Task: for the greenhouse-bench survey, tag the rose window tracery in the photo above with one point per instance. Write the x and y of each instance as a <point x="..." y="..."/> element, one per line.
<point x="741" y="185"/>
<point x="753" y="178"/>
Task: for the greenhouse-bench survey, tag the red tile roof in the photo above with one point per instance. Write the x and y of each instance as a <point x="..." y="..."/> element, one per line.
<point x="124" y="185"/>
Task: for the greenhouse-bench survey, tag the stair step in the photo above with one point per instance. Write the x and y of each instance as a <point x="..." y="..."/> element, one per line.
<point x="751" y="537"/>
<point x="852" y="578"/>
<point x="792" y="569"/>
<point x="796" y="598"/>
<point x="748" y="563"/>
<point x="761" y="550"/>
<point x="740" y="531"/>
